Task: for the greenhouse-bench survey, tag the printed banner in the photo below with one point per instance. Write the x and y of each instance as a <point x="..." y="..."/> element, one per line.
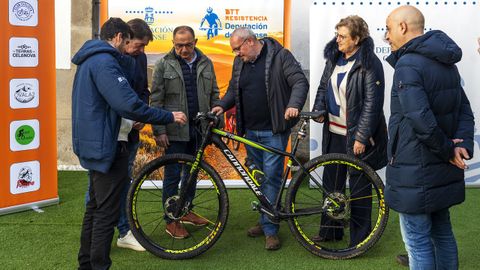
<point x="28" y="171"/>
<point x="450" y="17"/>
<point x="213" y="23"/>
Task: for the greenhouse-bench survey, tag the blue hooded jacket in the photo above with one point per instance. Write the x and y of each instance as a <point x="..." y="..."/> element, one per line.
<point x="101" y="96"/>
<point x="428" y="109"/>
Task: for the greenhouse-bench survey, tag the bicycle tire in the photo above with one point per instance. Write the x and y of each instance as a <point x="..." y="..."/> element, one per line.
<point x="311" y="231"/>
<point x="147" y="216"/>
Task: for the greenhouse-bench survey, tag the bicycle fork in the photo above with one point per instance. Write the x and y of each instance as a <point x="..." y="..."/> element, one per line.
<point x="182" y="205"/>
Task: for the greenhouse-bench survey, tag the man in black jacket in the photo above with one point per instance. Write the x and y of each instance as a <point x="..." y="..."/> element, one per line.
<point x="142" y="35"/>
<point x="431" y="134"/>
<point x="269" y="89"/>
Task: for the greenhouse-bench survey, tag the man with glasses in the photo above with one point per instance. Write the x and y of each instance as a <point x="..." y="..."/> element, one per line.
<point x="269" y="89"/>
<point x="183" y="79"/>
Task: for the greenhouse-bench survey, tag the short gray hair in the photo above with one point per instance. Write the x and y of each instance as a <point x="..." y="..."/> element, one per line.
<point x="244" y="33"/>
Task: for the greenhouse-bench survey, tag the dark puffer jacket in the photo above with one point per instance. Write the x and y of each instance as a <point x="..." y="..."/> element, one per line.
<point x="428" y="109"/>
<point x="286" y="85"/>
<point x="365" y="94"/>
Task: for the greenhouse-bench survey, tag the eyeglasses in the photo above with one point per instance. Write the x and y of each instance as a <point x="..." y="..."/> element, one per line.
<point x="340" y="37"/>
<point x="237" y="49"/>
<point x="179" y="46"/>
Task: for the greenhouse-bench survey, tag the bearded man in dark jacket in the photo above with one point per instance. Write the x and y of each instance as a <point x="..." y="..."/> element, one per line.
<point x="431" y="134"/>
<point x="268" y="88"/>
<point x="101" y="98"/>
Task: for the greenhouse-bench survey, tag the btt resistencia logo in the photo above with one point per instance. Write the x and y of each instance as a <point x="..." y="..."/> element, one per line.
<point x="214" y="23"/>
<point x="23" y="11"/>
<point x="24" y="134"/>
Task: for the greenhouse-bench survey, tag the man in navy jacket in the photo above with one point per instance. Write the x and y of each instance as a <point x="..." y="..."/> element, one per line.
<point x="430" y="135"/>
<point x="101" y="97"/>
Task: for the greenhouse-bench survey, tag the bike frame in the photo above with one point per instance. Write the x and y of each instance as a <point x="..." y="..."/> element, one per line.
<point x="213" y="135"/>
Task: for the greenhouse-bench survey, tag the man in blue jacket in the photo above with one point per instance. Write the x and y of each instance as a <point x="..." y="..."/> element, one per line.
<point x="102" y="98"/>
<point x="431" y="134"/>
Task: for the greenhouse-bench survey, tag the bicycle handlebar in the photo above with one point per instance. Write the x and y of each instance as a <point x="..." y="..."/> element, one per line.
<point x="215" y="119"/>
<point x="311" y="115"/>
<point x="207" y="116"/>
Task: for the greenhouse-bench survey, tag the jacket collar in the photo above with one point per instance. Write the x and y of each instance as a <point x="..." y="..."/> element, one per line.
<point x="365" y="53"/>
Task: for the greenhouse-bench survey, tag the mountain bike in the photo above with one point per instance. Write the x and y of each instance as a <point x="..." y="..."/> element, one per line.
<point x="308" y="208"/>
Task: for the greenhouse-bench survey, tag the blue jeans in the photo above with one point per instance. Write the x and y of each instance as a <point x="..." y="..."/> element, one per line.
<point x="173" y="173"/>
<point x="272" y="166"/>
<point x="122" y="225"/>
<point x="429" y="240"/>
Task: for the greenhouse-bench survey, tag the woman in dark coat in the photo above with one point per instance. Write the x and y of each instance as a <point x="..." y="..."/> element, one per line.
<point x="351" y="94"/>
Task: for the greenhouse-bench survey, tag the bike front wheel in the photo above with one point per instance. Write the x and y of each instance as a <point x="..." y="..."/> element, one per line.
<point x="151" y="205"/>
<point x="341" y="220"/>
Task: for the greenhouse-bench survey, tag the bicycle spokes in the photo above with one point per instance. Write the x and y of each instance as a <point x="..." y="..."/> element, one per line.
<point x="164" y="224"/>
<point x="349" y="208"/>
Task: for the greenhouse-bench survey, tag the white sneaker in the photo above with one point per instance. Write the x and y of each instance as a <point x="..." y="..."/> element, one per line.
<point x="129" y="241"/>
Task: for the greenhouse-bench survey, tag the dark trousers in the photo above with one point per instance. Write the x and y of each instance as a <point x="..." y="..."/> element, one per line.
<point x="334" y="179"/>
<point x="174" y="174"/>
<point x="102" y="212"/>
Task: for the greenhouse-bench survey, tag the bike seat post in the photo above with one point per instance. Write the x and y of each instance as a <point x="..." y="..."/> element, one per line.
<point x="301" y="134"/>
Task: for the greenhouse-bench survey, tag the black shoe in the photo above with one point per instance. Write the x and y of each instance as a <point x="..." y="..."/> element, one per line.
<point x="402" y="259"/>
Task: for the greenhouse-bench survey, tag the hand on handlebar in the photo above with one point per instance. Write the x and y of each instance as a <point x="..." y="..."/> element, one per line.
<point x="217" y="110"/>
<point x="291" y="113"/>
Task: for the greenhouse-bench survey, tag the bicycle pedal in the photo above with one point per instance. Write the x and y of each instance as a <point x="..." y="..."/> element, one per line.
<point x="254" y="205"/>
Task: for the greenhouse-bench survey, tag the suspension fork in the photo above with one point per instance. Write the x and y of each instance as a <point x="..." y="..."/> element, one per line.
<point x="192" y="174"/>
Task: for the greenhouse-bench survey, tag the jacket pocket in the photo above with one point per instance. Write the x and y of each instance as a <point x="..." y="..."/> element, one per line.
<point x="207" y="78"/>
<point x="173" y="82"/>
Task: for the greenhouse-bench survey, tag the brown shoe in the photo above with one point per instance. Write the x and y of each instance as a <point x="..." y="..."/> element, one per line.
<point x="402" y="259"/>
<point x="194" y="219"/>
<point x="272" y="242"/>
<point x="255" y="231"/>
<point x="176" y="230"/>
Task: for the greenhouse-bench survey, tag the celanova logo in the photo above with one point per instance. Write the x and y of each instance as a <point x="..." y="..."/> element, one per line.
<point x="24" y="92"/>
<point x="24" y="51"/>
<point x="24" y="134"/>
<point x="23" y="11"/>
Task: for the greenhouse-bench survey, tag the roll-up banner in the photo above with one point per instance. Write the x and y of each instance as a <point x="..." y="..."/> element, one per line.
<point x="458" y="19"/>
<point x="28" y="167"/>
<point x="213" y="23"/>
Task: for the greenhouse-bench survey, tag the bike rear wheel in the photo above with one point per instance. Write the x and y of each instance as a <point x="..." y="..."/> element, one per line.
<point x="148" y="214"/>
<point x="337" y="225"/>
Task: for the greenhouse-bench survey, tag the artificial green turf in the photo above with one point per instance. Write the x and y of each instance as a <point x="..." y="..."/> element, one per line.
<point x="50" y="240"/>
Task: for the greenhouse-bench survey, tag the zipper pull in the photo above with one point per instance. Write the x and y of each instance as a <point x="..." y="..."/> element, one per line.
<point x="392" y="160"/>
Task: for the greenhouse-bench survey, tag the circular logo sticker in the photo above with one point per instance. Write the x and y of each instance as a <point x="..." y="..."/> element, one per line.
<point x="24" y="135"/>
<point x="23" y="10"/>
<point x="24" y="93"/>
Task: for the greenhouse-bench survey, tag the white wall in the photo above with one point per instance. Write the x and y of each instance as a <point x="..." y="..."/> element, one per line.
<point x="63" y="27"/>
<point x="300" y="28"/>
